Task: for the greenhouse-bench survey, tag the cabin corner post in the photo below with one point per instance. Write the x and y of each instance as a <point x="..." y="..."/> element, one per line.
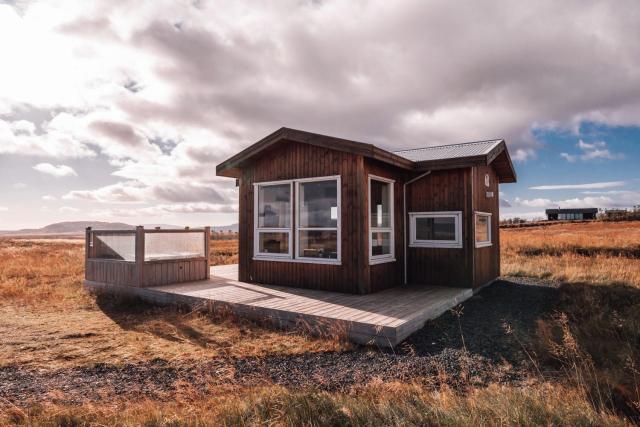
<point x="139" y="242"/>
<point x="87" y="251"/>
<point x="207" y="243"/>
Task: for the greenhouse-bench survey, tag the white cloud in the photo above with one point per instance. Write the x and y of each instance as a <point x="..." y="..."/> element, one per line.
<point x="68" y="209"/>
<point x="20" y="185"/>
<point x="589" y="186"/>
<point x="592" y="151"/>
<point x="56" y="171"/>
<point x="3" y="209"/>
<point x="48" y="198"/>
<point x="613" y="200"/>
<point x="167" y="210"/>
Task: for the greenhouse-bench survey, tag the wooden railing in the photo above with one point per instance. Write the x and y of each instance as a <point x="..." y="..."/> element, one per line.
<point x="147" y="257"/>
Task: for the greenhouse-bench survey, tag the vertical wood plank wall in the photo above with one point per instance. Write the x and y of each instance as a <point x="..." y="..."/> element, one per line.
<point x="292" y="160"/>
<point x="487" y="259"/>
<point x="446" y="190"/>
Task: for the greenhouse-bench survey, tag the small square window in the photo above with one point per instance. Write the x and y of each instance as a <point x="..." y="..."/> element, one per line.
<point x="435" y="229"/>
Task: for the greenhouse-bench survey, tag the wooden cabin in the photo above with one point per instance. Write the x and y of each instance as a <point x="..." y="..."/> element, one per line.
<point x="327" y="213"/>
<point x="576" y="214"/>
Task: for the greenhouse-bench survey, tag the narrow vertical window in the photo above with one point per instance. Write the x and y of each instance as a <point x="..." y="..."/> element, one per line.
<point x="483" y="229"/>
<point x="318" y="219"/>
<point x="381" y="224"/>
<point x="273" y="220"/>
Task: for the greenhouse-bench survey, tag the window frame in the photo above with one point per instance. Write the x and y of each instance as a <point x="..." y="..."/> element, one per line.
<point x="337" y="228"/>
<point x="457" y="243"/>
<point x="390" y="257"/>
<point x="483" y="243"/>
<point x="257" y="230"/>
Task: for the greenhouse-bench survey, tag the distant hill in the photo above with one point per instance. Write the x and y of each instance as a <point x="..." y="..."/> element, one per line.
<point x="78" y="227"/>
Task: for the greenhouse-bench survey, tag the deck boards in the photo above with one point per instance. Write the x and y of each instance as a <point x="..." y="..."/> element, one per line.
<point x="385" y="317"/>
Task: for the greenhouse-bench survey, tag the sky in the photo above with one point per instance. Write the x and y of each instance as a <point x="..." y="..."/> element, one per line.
<point x="119" y="111"/>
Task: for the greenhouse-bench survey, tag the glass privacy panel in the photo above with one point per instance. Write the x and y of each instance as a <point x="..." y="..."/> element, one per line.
<point x="380" y="243"/>
<point x="318" y="204"/>
<point x="436" y="228"/>
<point x="482" y="228"/>
<point x="114" y="246"/>
<point x="274" y="206"/>
<point x="161" y="246"/>
<point x="318" y="244"/>
<point x="380" y="192"/>
<point x="273" y="243"/>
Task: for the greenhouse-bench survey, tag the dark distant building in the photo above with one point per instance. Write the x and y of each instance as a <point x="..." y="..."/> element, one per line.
<point x="571" y="214"/>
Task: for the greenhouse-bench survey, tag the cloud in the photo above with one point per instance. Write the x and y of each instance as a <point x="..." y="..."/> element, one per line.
<point x="623" y="199"/>
<point x="3" y="209"/>
<point x="68" y="209"/>
<point x="56" y="171"/>
<point x="20" y="185"/>
<point x="135" y="191"/>
<point x="592" y="151"/>
<point x="590" y="186"/>
<point x="504" y="203"/>
<point x="48" y="198"/>
<point x="167" y="209"/>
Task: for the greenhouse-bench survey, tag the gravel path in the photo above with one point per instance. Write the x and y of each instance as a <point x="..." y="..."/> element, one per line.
<point x="477" y="343"/>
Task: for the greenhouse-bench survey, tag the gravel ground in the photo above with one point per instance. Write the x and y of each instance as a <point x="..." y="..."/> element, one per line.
<point x="479" y="342"/>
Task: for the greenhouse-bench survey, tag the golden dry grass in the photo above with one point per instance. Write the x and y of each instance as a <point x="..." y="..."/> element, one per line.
<point x="390" y="404"/>
<point x="595" y="252"/>
<point x="48" y="320"/>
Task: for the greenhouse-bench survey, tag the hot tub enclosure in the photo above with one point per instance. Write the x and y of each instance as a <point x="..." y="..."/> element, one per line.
<point x="328" y="213"/>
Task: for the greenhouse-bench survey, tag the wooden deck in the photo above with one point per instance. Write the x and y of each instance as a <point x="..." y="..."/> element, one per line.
<point x="384" y="318"/>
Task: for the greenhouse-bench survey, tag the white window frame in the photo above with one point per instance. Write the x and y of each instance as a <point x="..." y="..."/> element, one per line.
<point x="415" y="243"/>
<point x="257" y="230"/>
<point x="482" y="243"/>
<point x="291" y="255"/>
<point x="391" y="257"/>
<point x="337" y="228"/>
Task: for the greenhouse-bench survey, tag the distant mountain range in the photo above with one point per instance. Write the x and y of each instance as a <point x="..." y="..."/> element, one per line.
<point x="78" y="227"/>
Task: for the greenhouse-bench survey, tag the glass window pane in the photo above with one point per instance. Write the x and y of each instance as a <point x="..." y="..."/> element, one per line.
<point x="159" y="246"/>
<point x="482" y="228"/>
<point x="436" y="228"/>
<point x="318" y="244"/>
<point x="380" y="243"/>
<point x="114" y="246"/>
<point x="274" y="206"/>
<point x="318" y="204"/>
<point x="380" y="193"/>
<point x="273" y="243"/>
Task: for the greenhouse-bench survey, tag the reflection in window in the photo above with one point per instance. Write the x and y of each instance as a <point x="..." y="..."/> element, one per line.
<point x="274" y="206"/>
<point x="483" y="229"/>
<point x="318" y="203"/>
<point x="443" y="228"/>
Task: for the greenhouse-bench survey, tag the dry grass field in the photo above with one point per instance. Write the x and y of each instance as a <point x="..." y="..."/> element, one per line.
<point x="585" y="358"/>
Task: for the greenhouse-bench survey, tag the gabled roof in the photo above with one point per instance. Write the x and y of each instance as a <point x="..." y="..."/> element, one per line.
<point x="492" y="152"/>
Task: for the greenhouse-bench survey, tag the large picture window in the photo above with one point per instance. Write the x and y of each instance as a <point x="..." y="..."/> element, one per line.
<point x="381" y="224"/>
<point x="483" y="229"/>
<point x="317" y="220"/>
<point x="435" y="229"/>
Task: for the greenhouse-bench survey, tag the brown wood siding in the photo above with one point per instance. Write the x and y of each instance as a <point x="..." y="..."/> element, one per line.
<point x="294" y="160"/>
<point x="111" y="271"/>
<point x="487" y="259"/>
<point x="388" y="274"/>
<point x="157" y="273"/>
<point x="443" y="190"/>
